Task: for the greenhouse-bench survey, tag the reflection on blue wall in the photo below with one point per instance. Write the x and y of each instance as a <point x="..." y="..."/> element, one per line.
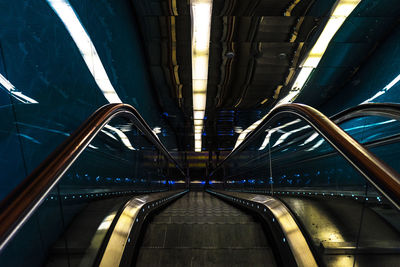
<point x="377" y="80"/>
<point x="54" y="86"/>
<point x="361" y="62"/>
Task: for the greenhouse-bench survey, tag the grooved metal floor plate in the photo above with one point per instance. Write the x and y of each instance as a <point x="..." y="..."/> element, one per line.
<point x="201" y="230"/>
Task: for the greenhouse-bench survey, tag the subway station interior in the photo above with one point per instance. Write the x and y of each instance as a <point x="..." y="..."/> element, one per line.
<point x="199" y="133"/>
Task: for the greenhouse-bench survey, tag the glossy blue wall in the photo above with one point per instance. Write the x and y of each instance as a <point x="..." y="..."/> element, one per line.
<point x="41" y="60"/>
<point x="361" y="60"/>
<point x="377" y="75"/>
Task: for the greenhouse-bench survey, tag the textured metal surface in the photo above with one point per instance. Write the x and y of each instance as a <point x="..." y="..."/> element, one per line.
<point x="85" y="234"/>
<point x="116" y="244"/>
<point x="297" y="242"/>
<point x="344" y="228"/>
<point x="201" y="230"/>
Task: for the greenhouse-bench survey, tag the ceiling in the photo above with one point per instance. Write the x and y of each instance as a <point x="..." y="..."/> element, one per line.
<point x="256" y="48"/>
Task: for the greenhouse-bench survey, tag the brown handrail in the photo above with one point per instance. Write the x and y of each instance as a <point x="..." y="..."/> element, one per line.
<point x="387" y="110"/>
<point x="17" y="207"/>
<point x="382" y="176"/>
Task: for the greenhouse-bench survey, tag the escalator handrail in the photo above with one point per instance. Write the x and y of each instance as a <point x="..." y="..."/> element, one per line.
<point x="387" y="110"/>
<point x="378" y="173"/>
<point x="17" y="207"/>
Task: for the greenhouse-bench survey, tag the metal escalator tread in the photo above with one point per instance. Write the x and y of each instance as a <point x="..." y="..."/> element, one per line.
<point x="201" y="230"/>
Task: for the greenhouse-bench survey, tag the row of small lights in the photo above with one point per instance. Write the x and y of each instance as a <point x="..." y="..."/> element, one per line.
<point x="80" y="196"/>
<point x="118" y="179"/>
<point x="314" y="193"/>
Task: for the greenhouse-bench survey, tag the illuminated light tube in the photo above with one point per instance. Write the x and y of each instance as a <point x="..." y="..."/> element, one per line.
<point x="15" y="93"/>
<point x="85" y="45"/>
<point x="198" y="122"/>
<point x="340" y="13"/>
<point x="201" y="28"/>
<point x="197" y="136"/>
<point x="198" y="129"/>
<point x="199" y="101"/>
<point x="198" y="114"/>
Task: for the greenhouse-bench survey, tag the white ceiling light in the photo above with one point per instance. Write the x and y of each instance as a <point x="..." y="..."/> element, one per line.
<point x="85" y="45"/>
<point x="201" y="27"/>
<point x="340" y="13"/>
<point x="198" y="115"/>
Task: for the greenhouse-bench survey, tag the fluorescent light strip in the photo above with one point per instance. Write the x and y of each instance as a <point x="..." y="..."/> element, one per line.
<point x="201" y="27"/>
<point x="342" y="10"/>
<point x="16" y="94"/>
<point x="85" y="45"/>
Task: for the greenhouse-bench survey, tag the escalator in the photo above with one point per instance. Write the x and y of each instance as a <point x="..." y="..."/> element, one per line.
<point x="201" y="230"/>
<point x="298" y="191"/>
<point x="349" y="217"/>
